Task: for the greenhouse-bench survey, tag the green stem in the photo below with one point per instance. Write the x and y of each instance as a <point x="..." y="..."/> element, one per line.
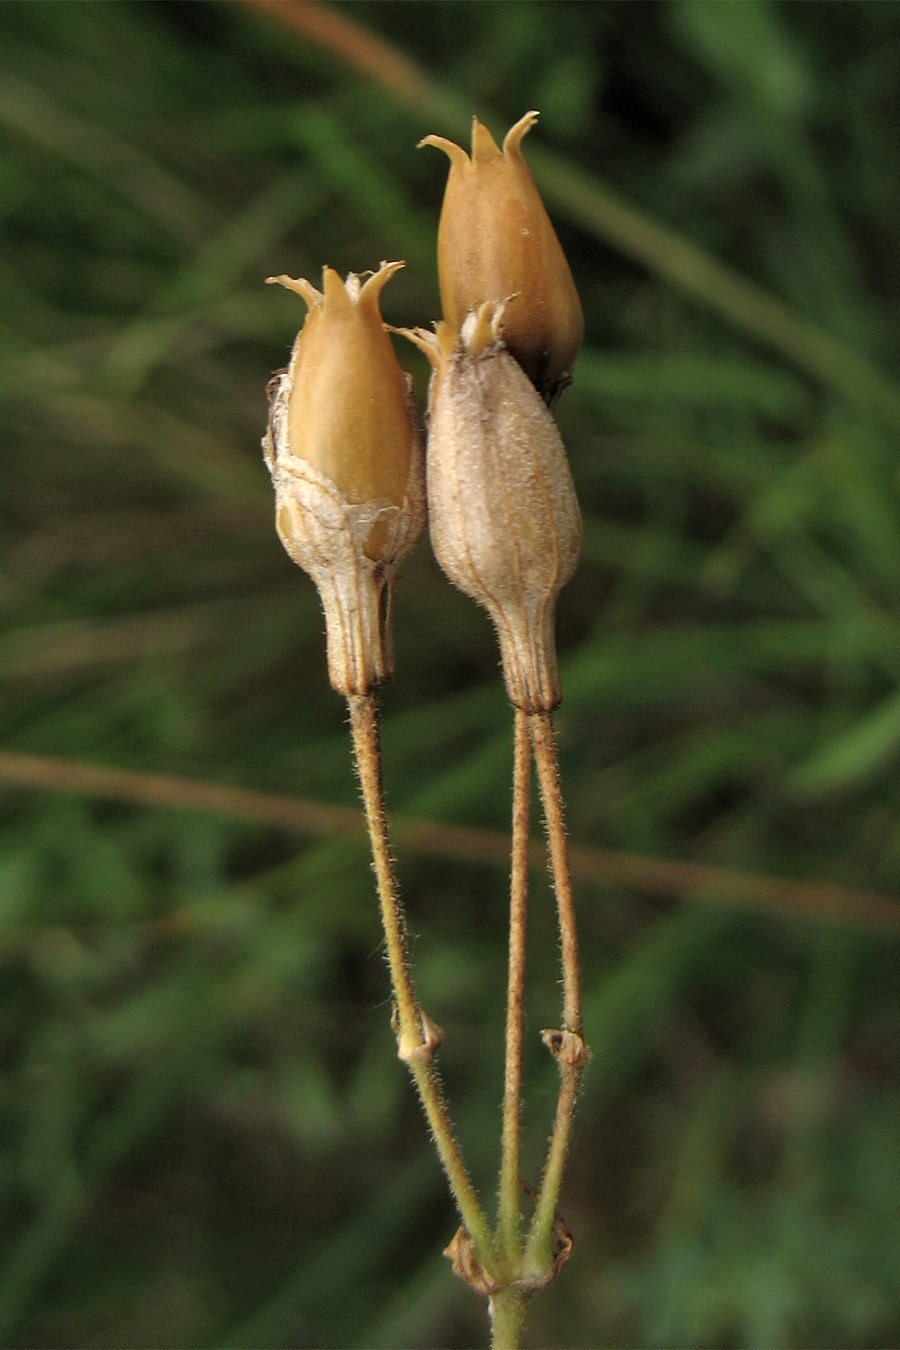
<point x="507" y="1316"/>
<point x="417" y="1036"/>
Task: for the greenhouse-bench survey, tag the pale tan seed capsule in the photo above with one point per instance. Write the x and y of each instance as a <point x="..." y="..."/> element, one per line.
<point x="503" y="516"/>
<point x="345" y="456"/>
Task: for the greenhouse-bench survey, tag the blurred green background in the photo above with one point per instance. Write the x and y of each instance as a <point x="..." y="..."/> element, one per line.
<point x="207" y="1139"/>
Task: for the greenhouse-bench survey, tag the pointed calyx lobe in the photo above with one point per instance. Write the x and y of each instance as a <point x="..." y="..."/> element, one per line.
<point x="348" y="412"/>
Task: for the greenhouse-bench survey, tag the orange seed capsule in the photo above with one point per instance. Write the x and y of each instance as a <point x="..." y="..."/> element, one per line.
<point x="345" y="456"/>
<point x="496" y="243"/>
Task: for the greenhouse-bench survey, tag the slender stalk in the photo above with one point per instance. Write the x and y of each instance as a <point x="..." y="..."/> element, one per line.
<point x="567" y="1045"/>
<point x="543" y="740"/>
<point x="508" y="1225"/>
<point x="417" y="1035"/>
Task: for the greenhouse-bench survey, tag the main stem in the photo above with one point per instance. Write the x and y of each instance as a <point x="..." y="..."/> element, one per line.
<point x="417" y="1036"/>
<point x="568" y="1045"/>
<point x="507" y="1317"/>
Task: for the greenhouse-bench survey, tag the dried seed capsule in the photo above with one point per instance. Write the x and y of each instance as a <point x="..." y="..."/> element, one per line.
<point x="495" y="241"/>
<point x="503" y="515"/>
<point x="345" y="456"/>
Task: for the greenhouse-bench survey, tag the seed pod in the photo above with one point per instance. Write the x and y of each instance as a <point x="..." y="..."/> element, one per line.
<point x="503" y="516"/>
<point x="345" y="456"/>
<point x="495" y="241"/>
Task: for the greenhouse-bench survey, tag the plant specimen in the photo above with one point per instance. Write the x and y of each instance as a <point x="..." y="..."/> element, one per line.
<point x="347" y="465"/>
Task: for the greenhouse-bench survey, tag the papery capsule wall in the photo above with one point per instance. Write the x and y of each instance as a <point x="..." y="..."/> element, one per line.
<point x="503" y="515"/>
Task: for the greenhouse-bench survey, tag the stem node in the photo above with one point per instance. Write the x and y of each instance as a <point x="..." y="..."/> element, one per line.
<point x="568" y="1047"/>
<point x="417" y="1042"/>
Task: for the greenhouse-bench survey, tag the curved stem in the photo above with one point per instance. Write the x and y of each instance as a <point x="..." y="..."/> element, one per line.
<point x="815" y="900"/>
<point x="417" y="1036"/>
<point x="508" y="1226"/>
